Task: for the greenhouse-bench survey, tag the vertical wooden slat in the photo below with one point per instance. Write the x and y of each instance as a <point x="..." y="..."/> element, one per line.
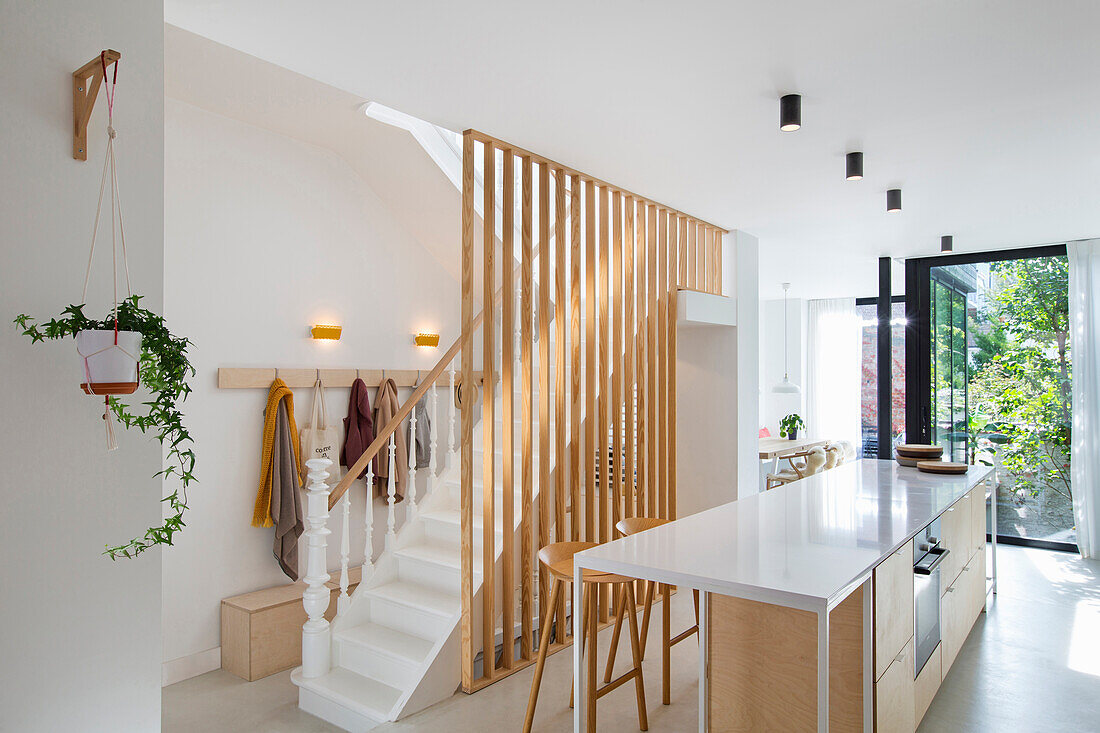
<point x="628" y="356"/>
<point x="560" y="420"/>
<point x="466" y="506"/>
<point x="604" y="375"/>
<point x="663" y="243"/>
<point x="652" y="375"/>
<point x="488" y="557"/>
<point x="527" y="570"/>
<point x="674" y="277"/>
<point x="546" y="491"/>
<point x="700" y="257"/>
<point x="682" y="260"/>
<point x="616" y="299"/>
<point x="576" y="407"/>
<point x="641" y="305"/>
<point x="590" y="386"/>
<point x="689" y="274"/>
<point x="717" y="262"/>
<point x="507" y="394"/>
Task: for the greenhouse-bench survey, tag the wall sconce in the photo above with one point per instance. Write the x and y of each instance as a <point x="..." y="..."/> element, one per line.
<point x="430" y="340"/>
<point x="329" y="332"/>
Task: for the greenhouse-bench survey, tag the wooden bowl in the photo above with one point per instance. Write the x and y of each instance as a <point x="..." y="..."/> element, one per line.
<point x="914" y="450"/>
<point x="942" y="467"/>
<point x="907" y="461"/>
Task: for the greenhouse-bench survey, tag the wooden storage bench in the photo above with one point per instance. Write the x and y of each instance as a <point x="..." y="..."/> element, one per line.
<point x="261" y="631"/>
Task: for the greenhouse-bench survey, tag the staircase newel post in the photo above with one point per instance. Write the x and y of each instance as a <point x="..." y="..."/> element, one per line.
<point x="410" y="513"/>
<point x="345" y="553"/>
<point x="316" y="637"/>
<point x="368" y="524"/>
<point x="391" y="497"/>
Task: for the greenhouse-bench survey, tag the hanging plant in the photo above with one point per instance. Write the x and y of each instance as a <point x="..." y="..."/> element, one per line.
<point x="131" y="346"/>
<point x="163" y="369"/>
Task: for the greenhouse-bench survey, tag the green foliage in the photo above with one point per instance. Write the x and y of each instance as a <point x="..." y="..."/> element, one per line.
<point x="790" y="424"/>
<point x="163" y="370"/>
<point x="1023" y="370"/>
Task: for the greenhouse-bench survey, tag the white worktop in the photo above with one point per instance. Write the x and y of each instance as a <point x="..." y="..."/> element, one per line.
<point x="805" y="544"/>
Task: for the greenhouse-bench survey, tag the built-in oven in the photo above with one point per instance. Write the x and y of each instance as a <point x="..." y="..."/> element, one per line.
<point x="927" y="556"/>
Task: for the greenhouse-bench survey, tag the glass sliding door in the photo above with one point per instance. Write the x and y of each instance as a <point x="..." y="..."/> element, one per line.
<point x="867" y="310"/>
<point x="990" y="377"/>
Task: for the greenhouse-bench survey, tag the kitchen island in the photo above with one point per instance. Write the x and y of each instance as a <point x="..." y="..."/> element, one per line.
<point x="807" y="618"/>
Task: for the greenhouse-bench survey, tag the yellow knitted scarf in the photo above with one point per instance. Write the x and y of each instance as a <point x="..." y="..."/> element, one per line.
<point x="261" y="514"/>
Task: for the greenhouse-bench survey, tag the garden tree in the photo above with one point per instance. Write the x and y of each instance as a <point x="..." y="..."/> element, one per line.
<point x="1022" y="369"/>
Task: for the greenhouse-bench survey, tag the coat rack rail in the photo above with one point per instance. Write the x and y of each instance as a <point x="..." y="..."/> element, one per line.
<point x="261" y="378"/>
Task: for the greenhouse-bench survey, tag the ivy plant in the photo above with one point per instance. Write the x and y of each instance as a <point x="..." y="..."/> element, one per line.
<point x="163" y="370"/>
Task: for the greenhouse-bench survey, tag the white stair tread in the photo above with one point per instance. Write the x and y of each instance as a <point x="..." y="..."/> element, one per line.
<point x="453" y="516"/>
<point x="418" y="596"/>
<point x="387" y="641"/>
<point x="435" y="551"/>
<point x="355" y="691"/>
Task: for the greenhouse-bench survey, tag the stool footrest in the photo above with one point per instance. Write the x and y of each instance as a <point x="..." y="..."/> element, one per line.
<point x="684" y="635"/>
<point x="617" y="682"/>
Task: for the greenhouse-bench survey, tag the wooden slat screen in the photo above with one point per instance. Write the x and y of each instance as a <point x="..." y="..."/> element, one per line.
<point x="586" y="273"/>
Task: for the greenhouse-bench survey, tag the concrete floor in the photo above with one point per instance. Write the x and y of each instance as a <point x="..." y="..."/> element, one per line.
<point x="1032" y="663"/>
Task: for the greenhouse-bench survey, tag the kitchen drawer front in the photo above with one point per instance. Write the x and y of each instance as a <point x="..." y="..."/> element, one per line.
<point x="927" y="684"/>
<point x="978" y="517"/>
<point x="894" y="694"/>
<point x="956" y="531"/>
<point x="959" y="607"/>
<point x="893" y="592"/>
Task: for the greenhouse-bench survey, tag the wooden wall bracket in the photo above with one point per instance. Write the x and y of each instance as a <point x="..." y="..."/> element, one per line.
<point x="86" y="83"/>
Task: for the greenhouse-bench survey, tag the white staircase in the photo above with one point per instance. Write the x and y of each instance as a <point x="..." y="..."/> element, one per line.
<point x="395" y="647"/>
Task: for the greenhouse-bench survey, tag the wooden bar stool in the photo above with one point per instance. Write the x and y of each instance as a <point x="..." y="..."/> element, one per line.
<point x="626" y="527"/>
<point x="558" y="560"/>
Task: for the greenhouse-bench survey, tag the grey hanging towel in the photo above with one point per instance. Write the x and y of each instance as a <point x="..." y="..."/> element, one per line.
<point x="423" y="434"/>
<point x="286" y="502"/>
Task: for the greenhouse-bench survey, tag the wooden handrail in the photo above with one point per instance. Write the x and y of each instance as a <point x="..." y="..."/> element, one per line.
<point x="391" y="427"/>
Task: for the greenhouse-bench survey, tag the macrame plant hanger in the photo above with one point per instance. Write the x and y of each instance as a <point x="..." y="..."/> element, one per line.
<point x="118" y="241"/>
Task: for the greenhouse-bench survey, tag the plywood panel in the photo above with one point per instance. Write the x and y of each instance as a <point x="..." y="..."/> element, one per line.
<point x="576" y="405"/>
<point x="641" y="305"/>
<point x="616" y="300"/>
<point x="662" y="363"/>
<point x="652" y="375"/>
<point x="763" y="669"/>
<point x="926" y="685"/>
<point x="546" y="491"/>
<point x="561" y="422"/>
<point x="895" y="695"/>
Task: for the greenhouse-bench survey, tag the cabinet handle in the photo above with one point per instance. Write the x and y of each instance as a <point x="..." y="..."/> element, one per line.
<point x="966" y="569"/>
<point x="950" y="589"/>
<point x="900" y="657"/>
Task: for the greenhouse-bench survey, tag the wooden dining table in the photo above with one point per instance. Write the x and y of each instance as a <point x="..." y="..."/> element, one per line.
<point x="772" y="449"/>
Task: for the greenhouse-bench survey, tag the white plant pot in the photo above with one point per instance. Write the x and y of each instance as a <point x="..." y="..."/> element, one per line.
<point x="106" y="368"/>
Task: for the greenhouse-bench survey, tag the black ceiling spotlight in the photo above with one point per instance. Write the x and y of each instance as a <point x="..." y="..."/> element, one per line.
<point x="853" y="167"/>
<point x="893" y="200"/>
<point x="946" y="243"/>
<point x="790" y="112"/>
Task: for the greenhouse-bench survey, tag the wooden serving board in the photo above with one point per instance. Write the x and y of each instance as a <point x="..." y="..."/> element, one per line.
<point x="915" y="449"/>
<point x="942" y="467"/>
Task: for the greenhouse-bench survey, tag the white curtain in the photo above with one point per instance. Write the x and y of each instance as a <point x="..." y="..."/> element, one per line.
<point x="1084" y="317"/>
<point x="833" y="362"/>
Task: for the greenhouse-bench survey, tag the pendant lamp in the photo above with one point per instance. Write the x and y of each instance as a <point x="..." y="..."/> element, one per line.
<point x="786" y="386"/>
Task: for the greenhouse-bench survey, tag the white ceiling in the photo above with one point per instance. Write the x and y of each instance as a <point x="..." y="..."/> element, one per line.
<point x="984" y="112"/>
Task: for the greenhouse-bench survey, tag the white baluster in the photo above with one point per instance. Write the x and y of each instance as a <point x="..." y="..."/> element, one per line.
<point x="411" y="487"/>
<point x="433" y="444"/>
<point x="451" y="447"/>
<point x="391" y="494"/>
<point x="345" y="553"/>
<point x="316" y="640"/>
<point x="368" y="524"/>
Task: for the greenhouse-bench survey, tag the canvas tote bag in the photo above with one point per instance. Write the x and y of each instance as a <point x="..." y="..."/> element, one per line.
<point x="319" y="440"/>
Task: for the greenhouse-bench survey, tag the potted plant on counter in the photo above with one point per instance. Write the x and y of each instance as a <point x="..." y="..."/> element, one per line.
<point x="108" y="369"/>
<point x="788" y="426"/>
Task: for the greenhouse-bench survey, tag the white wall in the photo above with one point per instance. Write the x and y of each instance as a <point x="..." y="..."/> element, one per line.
<point x="776" y="406"/>
<point x="264" y="236"/>
<point x="79" y="634"/>
<point x="747" y="254"/>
